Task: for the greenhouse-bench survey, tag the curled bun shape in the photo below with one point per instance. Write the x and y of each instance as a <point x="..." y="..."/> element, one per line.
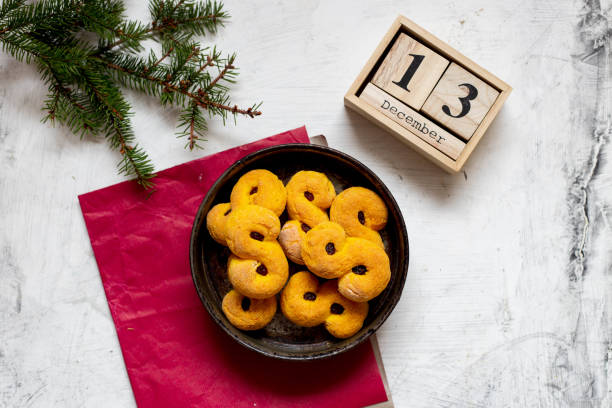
<point x="258" y="267"/>
<point x="361" y="212"/>
<point x="216" y="222"/>
<point x="291" y="236"/>
<point x="306" y="303"/>
<point x="309" y="195"/>
<point x="362" y="267"/>
<point x="262" y="188"/>
<point x="248" y="314"/>
<point x="257" y="187"/>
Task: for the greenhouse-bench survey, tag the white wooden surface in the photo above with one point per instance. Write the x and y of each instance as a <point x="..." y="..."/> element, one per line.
<point x="508" y="301"/>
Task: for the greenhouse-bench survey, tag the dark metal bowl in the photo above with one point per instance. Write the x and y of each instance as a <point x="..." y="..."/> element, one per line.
<point x="281" y="338"/>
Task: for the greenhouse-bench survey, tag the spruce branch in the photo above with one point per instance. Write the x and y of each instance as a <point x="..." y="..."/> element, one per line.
<point x="68" y="107"/>
<point x="84" y="80"/>
<point x="194" y="125"/>
<point x="200" y="97"/>
<point x="173" y="16"/>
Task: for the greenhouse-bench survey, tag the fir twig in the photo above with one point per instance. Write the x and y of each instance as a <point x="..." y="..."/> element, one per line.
<point x="83" y="80"/>
<point x="201" y="98"/>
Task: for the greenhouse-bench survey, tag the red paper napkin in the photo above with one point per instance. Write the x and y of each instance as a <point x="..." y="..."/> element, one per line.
<point x="174" y="353"/>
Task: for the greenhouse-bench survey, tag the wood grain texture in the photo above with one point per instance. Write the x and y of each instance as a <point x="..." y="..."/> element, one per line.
<point x="508" y="301"/>
<point x="412" y="121"/>
<point x="398" y="60"/>
<point x="401" y="25"/>
<point x="460" y="101"/>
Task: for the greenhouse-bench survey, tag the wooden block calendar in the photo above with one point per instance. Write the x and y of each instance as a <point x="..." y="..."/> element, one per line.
<point x="427" y="94"/>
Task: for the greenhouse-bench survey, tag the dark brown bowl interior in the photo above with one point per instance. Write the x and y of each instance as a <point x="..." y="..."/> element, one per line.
<point x="281" y="338"/>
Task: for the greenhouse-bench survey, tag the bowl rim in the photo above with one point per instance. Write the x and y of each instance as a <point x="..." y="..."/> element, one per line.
<point x="211" y="309"/>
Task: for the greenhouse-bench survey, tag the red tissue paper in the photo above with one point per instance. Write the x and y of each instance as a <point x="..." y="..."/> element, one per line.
<point x="174" y="353"/>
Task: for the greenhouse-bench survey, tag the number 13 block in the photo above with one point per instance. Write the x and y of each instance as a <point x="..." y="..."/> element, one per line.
<point x="460" y="101"/>
<point x="427" y="94"/>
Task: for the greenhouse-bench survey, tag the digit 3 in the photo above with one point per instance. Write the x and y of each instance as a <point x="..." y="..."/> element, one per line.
<point x="248" y="314"/>
<point x="258" y="268"/>
<point x="309" y="195"/>
<point x="465" y="101"/>
<point x="361" y="266"/>
<point x="260" y="187"/>
<point x="306" y="303"/>
<point x="361" y="212"/>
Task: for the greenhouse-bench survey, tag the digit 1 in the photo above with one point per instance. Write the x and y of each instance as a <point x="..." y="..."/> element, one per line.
<point x="465" y="102"/>
<point x="414" y="65"/>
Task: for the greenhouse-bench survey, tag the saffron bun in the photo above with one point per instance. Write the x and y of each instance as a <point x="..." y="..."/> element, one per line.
<point x="301" y="301"/>
<point x="258" y="267"/>
<point x="260" y="187"/>
<point x="307" y="303"/>
<point x="361" y="266"/>
<point x="216" y="222"/>
<point x="290" y="238"/>
<point x="257" y="187"/>
<point x="309" y="195"/>
<point x="344" y="247"/>
<point x="248" y="314"/>
<point x="361" y="212"/>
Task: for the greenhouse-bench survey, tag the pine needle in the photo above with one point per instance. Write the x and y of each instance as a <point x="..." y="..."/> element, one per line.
<point x="84" y="81"/>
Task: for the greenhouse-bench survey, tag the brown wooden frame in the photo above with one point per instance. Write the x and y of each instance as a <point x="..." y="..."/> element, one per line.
<point x="352" y="101"/>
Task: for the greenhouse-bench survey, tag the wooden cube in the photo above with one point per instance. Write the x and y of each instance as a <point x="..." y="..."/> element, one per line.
<point x="368" y="93"/>
<point x="410" y="71"/>
<point x="460" y="101"/>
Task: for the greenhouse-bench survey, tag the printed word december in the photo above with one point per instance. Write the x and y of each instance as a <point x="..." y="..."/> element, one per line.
<point x="421" y="127"/>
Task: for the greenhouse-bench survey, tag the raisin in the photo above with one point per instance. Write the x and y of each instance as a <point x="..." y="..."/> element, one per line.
<point x="359" y="270"/>
<point x="330" y="248"/>
<point x="262" y="270"/>
<point x="309" y="196"/>
<point x="246" y="303"/>
<point x="305" y="227"/>
<point x="254" y="190"/>
<point x="336" y="308"/>
<point x="310" y="296"/>
<point x="361" y="217"/>
<point x="256" y="235"/>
